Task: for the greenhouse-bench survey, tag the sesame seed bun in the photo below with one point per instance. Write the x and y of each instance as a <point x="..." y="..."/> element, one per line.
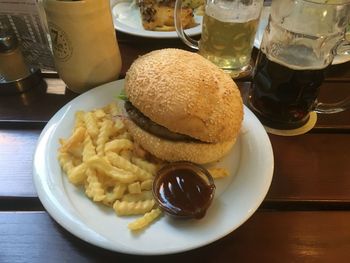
<point x="187" y="94"/>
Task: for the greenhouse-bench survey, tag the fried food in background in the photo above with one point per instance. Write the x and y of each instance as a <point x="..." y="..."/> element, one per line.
<point x="158" y="15"/>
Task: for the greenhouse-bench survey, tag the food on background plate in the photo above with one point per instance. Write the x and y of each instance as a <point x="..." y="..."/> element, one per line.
<point x="158" y="15"/>
<point x="181" y="107"/>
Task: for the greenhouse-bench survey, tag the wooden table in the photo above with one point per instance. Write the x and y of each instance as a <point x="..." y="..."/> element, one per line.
<point x="305" y="216"/>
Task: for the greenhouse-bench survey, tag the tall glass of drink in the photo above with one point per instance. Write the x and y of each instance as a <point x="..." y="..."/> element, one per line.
<point x="228" y="33"/>
<point x="84" y="43"/>
<point x="299" y="43"/>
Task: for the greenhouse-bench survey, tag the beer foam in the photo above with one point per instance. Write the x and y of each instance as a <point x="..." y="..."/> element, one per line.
<point x="233" y="12"/>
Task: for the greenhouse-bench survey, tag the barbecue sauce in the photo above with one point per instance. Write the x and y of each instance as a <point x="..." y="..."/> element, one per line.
<point x="184" y="190"/>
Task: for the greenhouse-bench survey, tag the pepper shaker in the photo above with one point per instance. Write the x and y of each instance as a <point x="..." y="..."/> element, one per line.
<point x="15" y="75"/>
<point x="12" y="63"/>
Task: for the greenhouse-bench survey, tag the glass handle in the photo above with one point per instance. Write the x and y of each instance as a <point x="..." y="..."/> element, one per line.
<point x="343" y="47"/>
<point x="333" y="107"/>
<point x="179" y="28"/>
<point x="328" y="108"/>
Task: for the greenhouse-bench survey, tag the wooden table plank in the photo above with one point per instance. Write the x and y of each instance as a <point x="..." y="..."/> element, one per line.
<point x="309" y="167"/>
<point x="266" y="237"/>
<point x="16" y="155"/>
<point x="32" y="106"/>
<point x="37" y="106"/>
<point x="331" y="92"/>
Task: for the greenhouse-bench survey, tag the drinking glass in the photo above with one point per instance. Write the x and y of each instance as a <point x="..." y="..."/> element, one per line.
<point x="299" y="43"/>
<point x="228" y="33"/>
<point x="84" y="43"/>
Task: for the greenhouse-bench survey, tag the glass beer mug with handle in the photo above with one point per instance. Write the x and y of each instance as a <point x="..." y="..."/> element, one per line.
<point x="299" y="43"/>
<point x="228" y="33"/>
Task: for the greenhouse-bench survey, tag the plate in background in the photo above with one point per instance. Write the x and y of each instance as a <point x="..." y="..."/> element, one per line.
<point x="127" y="19"/>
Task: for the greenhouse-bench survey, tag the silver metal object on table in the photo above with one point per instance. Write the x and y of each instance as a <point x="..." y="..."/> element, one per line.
<point x="15" y="75"/>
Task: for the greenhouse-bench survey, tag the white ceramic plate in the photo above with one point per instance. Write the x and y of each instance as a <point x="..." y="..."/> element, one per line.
<point x="237" y="197"/>
<point x="127" y="19"/>
<point x="338" y="59"/>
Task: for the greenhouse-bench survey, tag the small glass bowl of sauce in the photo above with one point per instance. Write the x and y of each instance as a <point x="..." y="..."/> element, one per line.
<point x="184" y="189"/>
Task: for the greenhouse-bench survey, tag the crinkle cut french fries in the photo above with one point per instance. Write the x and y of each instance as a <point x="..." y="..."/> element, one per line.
<point x="101" y="157"/>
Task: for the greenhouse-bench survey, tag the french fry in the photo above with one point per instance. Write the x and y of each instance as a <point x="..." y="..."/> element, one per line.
<point x="118" y="144"/>
<point x="218" y="173"/>
<point x="142" y="196"/>
<point x="103" y="136"/>
<point x="76" y="138"/>
<point x="146" y="220"/>
<point x="124" y="164"/>
<point x="125" y="208"/>
<point x="134" y="188"/>
<point x="91" y="124"/>
<point x="106" y="168"/>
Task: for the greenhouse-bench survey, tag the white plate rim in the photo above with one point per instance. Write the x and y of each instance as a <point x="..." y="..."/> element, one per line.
<point x="51" y="195"/>
<point x="141" y="32"/>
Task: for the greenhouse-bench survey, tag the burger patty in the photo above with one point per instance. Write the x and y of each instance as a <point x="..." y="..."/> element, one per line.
<point x="150" y="126"/>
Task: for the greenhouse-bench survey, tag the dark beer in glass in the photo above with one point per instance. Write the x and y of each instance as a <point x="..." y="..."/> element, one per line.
<point x="282" y="97"/>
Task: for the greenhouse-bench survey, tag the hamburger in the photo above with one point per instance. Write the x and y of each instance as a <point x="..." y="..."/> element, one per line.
<point x="181" y="107"/>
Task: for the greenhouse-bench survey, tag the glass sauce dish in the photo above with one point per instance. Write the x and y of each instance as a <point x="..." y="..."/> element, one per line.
<point x="184" y="189"/>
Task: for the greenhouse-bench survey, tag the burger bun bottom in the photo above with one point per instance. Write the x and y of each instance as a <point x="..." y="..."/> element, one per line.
<point x="197" y="152"/>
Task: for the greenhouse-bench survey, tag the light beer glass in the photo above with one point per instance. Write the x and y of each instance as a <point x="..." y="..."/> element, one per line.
<point x="228" y="33"/>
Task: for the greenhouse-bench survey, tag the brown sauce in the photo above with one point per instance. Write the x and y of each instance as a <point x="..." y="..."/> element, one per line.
<point x="182" y="192"/>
